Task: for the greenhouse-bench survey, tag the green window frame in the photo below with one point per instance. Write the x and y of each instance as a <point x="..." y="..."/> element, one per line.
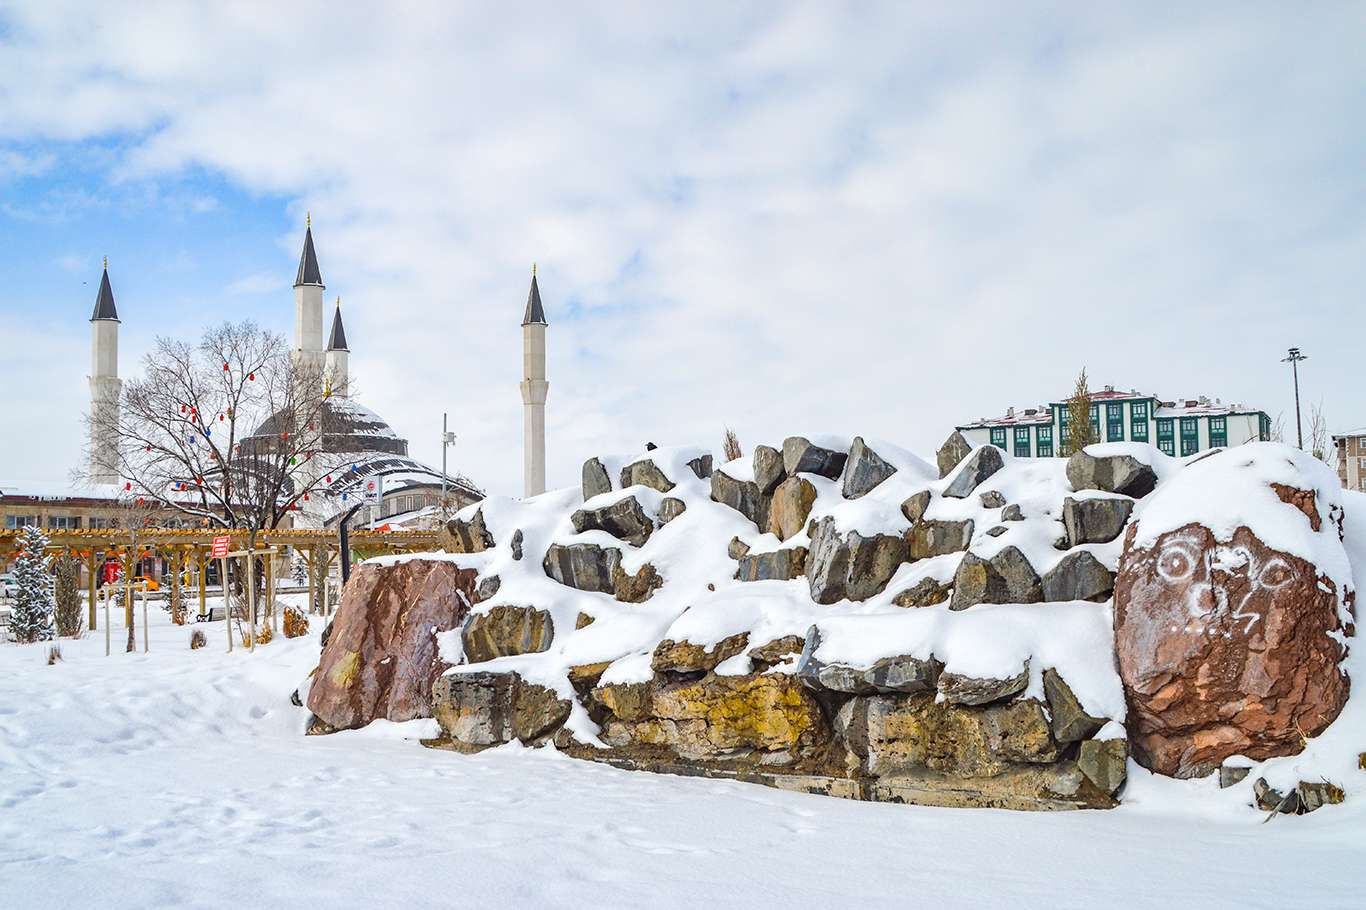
<point x="1114" y="422"/>
<point x="998" y="437"/>
<point x="1264" y="427"/>
<point x="1043" y="433"/>
<point x="1095" y="420"/>
<point x="1022" y="442"/>
<point x="1138" y="421"/>
<point x="1166" y="437"/>
<point x="1190" y="435"/>
<point x="1218" y="432"/>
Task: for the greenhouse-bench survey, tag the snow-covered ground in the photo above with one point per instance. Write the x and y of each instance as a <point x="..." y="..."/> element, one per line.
<point x="181" y="778"/>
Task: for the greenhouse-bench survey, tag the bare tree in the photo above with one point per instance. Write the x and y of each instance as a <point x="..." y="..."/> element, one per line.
<point x="1319" y="443"/>
<point x="1082" y="434"/>
<point x="730" y="445"/>
<point x="1278" y="428"/>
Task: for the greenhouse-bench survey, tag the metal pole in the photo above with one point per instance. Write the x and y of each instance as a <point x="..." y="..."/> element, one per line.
<point x="444" y="437"/>
<point x="145" y="640"/>
<point x="227" y="611"/>
<point x="1299" y="427"/>
<point x="202" y="564"/>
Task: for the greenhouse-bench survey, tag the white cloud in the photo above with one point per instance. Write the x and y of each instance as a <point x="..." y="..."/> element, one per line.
<point x="879" y="219"/>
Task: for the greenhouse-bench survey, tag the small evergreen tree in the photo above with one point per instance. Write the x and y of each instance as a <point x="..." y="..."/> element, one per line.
<point x="1079" y="417"/>
<point x="67" y="596"/>
<point x="300" y="570"/>
<point x="31" y="618"/>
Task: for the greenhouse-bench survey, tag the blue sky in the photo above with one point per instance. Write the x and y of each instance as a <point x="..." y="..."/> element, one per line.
<point x="873" y="218"/>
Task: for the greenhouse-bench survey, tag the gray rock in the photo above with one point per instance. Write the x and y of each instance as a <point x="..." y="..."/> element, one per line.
<point x="996" y="531"/>
<point x="1094" y="520"/>
<point x="925" y="593"/>
<point x="488" y="588"/>
<point x="1078" y="576"/>
<point x="583" y="566"/>
<point x="780" y="565"/>
<point x="952" y="453"/>
<point x="1104" y="762"/>
<point x="736" y="548"/>
<point x="1070" y="721"/>
<point x="701" y="466"/>
<point x="1006" y="578"/>
<point x="1316" y="794"/>
<point x="741" y="495"/>
<point x="1112" y="473"/>
<point x="647" y="474"/>
<point x="1012" y="512"/>
<point x="1269" y="799"/>
<point x="976" y="468"/>
<point x="937" y="538"/>
<point x="863" y="470"/>
<point x="1229" y="775"/>
<point x="624" y="519"/>
<point x="856" y="567"/>
<point x="470" y="536"/>
<point x="488" y="709"/>
<point x="977" y="690"/>
<point x="595" y="479"/>
<point x="915" y="505"/>
<point x="768" y="468"/>
<point x="670" y="508"/>
<point x="504" y="631"/>
<point x="899" y="674"/>
<point x="801" y="457"/>
<point x="517" y="544"/>
<point x="992" y="499"/>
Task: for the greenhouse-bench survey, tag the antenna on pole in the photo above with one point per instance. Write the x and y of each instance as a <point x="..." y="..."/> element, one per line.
<point x="1294" y="358"/>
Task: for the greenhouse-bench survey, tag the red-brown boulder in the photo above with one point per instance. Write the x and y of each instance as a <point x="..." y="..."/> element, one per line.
<point x="382" y="657"/>
<point x="1227" y="646"/>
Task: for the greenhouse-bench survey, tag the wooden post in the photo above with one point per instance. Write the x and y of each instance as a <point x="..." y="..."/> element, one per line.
<point x="146" y="646"/>
<point x="312" y="578"/>
<point x="128" y="600"/>
<point x="251" y="596"/>
<point x="177" y="561"/>
<point x="227" y="611"/>
<point x="270" y="591"/>
<point x="90" y="585"/>
<point x="108" y="590"/>
<point x="203" y="592"/>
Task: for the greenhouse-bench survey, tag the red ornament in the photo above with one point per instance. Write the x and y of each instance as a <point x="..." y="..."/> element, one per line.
<point x="225" y="368"/>
<point x="141" y="500"/>
<point x="194" y="410"/>
<point x="305" y="497"/>
<point x="149" y="448"/>
<point x="220" y="418"/>
<point x="329" y="478"/>
<point x="199" y="481"/>
<point x="128" y="485"/>
<point x="182" y="409"/>
<point x="251" y="377"/>
<point x="284" y="435"/>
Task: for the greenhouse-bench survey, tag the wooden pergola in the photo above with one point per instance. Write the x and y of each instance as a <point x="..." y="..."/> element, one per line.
<point x="185" y="548"/>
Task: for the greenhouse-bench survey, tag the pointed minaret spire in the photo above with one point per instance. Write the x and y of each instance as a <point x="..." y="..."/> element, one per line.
<point x="337" y="340"/>
<point x="104" y="301"/>
<point x="535" y="314"/>
<point x="308" y="261"/>
<point x="308" y="307"/>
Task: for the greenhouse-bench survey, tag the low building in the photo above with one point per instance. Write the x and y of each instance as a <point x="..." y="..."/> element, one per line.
<point x="1181" y="427"/>
<point x="1351" y="447"/>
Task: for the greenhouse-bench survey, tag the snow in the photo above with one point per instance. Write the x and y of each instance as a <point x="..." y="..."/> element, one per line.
<point x="182" y="778"/>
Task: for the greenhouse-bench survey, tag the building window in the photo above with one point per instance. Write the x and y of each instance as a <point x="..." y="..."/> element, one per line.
<point x="1264" y="428"/>
<point x="1218" y="432"/>
<point x="19" y="522"/>
<point x="1114" y="422"/>
<point x="63" y="522"/>
<point x="1361" y="464"/>
<point x="1190" y="435"/>
<point x="1166" y="440"/>
<point x="1044" y="434"/>
<point x="998" y="437"/>
<point x="1022" y="442"/>
<point x="1095" y="420"/>
<point x="1138" y="421"/>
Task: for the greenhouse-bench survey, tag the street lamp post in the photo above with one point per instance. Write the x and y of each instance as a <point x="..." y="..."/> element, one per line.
<point x="1294" y="358"/>
<point x="447" y="440"/>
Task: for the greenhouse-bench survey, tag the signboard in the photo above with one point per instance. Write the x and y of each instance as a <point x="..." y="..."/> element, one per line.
<point x="374" y="491"/>
<point x="221" y="546"/>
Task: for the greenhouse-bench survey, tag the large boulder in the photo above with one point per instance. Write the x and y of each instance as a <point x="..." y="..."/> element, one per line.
<point x="701" y="466"/>
<point x="624" y="519"/>
<point x="915" y="505"/>
<point x="670" y="507"/>
<point x="962" y="689"/>
<point x="478" y="710"/>
<point x="585" y="566"/>
<point x="686" y="657"/>
<point x="853" y="566"/>
<point x="863" y="470"/>
<point x="637" y="588"/>
<point x="1006" y="578"/>
<point x="1069" y="719"/>
<point x="952" y="453"/>
<point x="981" y="464"/>
<point x="775" y="565"/>
<point x="801" y="456"/>
<point x="506" y="630"/>
<point x="768" y="469"/>
<point x="936" y="538"/>
<point x="1226" y="644"/>
<point x="381" y="657"/>
<point x="468" y="535"/>
<point x="791" y="506"/>
<point x="1094" y="520"/>
<point x="741" y="495"/>
<point x="596" y="480"/>
<point x="1078" y="576"/>
<point x="1112" y="473"/>
<point x="647" y="474"/>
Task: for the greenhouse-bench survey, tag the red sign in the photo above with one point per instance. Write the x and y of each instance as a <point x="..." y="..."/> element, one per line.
<point x="220" y="546"/>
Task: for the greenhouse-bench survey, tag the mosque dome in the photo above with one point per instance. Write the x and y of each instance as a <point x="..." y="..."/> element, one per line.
<point x="347" y="427"/>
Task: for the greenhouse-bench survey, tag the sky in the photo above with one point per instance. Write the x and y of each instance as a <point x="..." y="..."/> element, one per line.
<point x="856" y="218"/>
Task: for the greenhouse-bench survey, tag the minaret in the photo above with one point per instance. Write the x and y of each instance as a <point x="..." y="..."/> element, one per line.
<point x="534" y="389"/>
<point x="105" y="385"/>
<point x="338" y="370"/>
<point x="308" y="308"/>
